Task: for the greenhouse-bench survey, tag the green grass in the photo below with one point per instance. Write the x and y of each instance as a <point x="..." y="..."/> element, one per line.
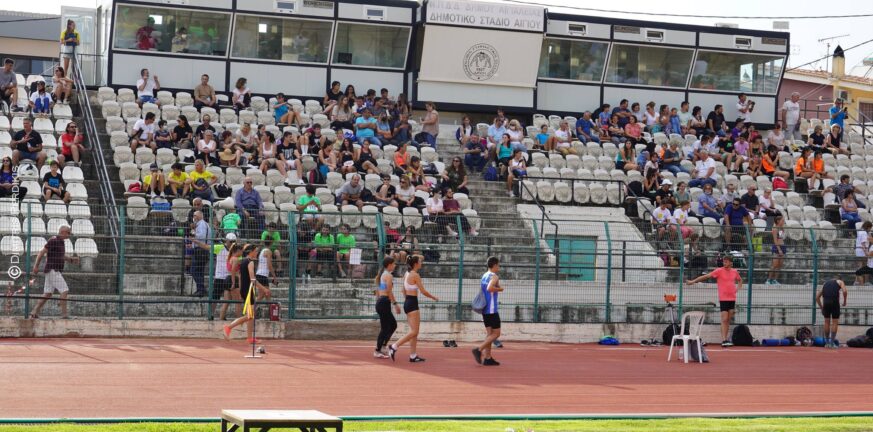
<point x="822" y="424"/>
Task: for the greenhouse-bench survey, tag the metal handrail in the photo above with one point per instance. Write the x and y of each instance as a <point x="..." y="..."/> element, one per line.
<point x="92" y="136"/>
<point x="544" y="215"/>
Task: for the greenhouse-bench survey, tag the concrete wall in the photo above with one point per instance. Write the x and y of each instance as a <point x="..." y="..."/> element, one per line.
<point x="467" y="331"/>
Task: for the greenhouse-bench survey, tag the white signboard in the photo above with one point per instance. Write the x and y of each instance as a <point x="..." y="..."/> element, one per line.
<point x="498" y="16"/>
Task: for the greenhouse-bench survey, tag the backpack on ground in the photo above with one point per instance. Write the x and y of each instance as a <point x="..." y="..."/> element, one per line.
<point x="869" y="333"/>
<point x="478" y="304"/>
<point x="861" y="341"/>
<point x="490" y="174"/>
<point x="694" y="355"/>
<point x="742" y="336"/>
<point x="802" y="334"/>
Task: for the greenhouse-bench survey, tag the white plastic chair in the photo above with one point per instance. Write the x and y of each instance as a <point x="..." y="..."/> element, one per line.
<point x="695" y="323"/>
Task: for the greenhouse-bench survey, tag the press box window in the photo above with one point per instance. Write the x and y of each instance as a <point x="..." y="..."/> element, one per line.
<point x="572" y="60"/>
<point x="371" y="45"/>
<point x="171" y="30"/>
<point x="649" y="65"/>
<point x="731" y="71"/>
<point x="286" y="39"/>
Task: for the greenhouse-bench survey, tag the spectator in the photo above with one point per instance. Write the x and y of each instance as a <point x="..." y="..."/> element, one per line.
<point x="406" y="245"/>
<point x="503" y="154"/>
<point x="144" y="133"/>
<point x="636" y="112"/>
<point x="430" y="125"/>
<point x="183" y="135"/>
<point x="697" y="125"/>
<point x="41" y="101"/>
<point x="207" y="149"/>
<point x="341" y="115"/>
<point x="586" y="129"/>
<point x="288" y="157"/>
<point x="71" y="146"/>
<point x="474" y="153"/>
<point x="664" y="226"/>
<point x="197" y="206"/>
<point x="384" y="130"/>
<point x="776" y="137"/>
<point x="625" y="157"/>
<point x="366" y="163"/>
<point x="833" y="141"/>
<point x="708" y="205"/>
<point x="862" y="248"/>
<point x="651" y="117"/>
<point x="622" y="113"/>
<point x="204" y="94"/>
<point x="178" y="181"/>
<point x="242" y="95"/>
<point x="516" y="135"/>
<point x="55" y="256"/>
<point x="146" y="86"/>
<point x="804" y="168"/>
<point x="403" y="106"/>
<point x="350" y="92"/>
<point x="753" y="169"/>
<point x="311" y="140"/>
<point x="323" y="250"/>
<point x="849" y="209"/>
<point x="838" y="114"/>
<point x="662" y="126"/>
<point x="769" y="164"/>
<point x="206" y="125"/>
<point x="664" y="195"/>
<point x="603" y="117"/>
<point x="517" y="170"/>
<point x="402" y="131"/>
<point x="155" y="182"/>
<point x="310" y="206"/>
<point x="680" y="217"/>
<point x="704" y="172"/>
<point x="345" y="241"/>
<point x="464" y="132"/>
<point x="53" y="184"/>
<point x="672" y="159"/>
<point x="202" y="234"/>
<point x="386" y="193"/>
<point x="273" y="236"/>
<point x="69" y="41"/>
<point x="249" y="205"/>
<point x="415" y="172"/>
<point x="715" y="121"/>
<point x="230" y="222"/>
<point x="735" y="216"/>
<point x="728" y="154"/>
<point x="179" y="43"/>
<point x="8" y="180"/>
<point x="766" y="208"/>
<point x="452" y="211"/>
<point x="616" y="132"/>
<point x="268" y="152"/>
<point x="633" y="132"/>
<point x="247" y="139"/>
<point x="816" y="139"/>
<point x="27" y="144"/>
<point x="685" y="117"/>
<point x="228" y="151"/>
<point x="675" y="123"/>
<point x="405" y="194"/>
<point x="332" y="96"/>
<point x="791" y="117"/>
<point x="495" y="133"/>
<point x="433" y="212"/>
<point x="283" y="112"/>
<point x="730" y="192"/>
<point x="9" y="85"/>
<point x="819" y="166"/>
<point x="560" y="141"/>
<point x="750" y="201"/>
<point x="62" y="87"/>
<point x="455" y="176"/>
<point x="145" y="40"/>
<point x="844" y="186"/>
<point x="543" y="138"/>
<point x="365" y="128"/>
<point x="744" y="107"/>
<point x="201" y="181"/>
<point x="352" y="192"/>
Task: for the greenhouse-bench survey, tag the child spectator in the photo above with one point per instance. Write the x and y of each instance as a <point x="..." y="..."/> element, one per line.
<point x="345" y="241"/>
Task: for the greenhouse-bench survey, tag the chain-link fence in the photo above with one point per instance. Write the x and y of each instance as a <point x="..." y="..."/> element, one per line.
<point x="323" y="265"/>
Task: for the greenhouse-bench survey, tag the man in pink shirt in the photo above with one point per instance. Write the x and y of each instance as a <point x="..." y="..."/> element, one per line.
<point x="727" y="278"/>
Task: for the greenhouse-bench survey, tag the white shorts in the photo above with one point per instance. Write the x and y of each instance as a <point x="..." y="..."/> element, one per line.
<point x="291" y="163"/>
<point x="54" y="281"/>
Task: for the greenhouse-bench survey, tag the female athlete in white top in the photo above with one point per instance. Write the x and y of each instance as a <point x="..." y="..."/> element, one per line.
<point x="412" y="284"/>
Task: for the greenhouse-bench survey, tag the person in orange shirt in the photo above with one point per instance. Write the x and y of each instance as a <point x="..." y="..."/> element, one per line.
<point x="804" y="167"/>
<point x="769" y="164"/>
<point x="819" y="167"/>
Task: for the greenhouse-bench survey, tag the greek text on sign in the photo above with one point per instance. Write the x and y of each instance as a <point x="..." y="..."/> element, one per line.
<point x="485" y="15"/>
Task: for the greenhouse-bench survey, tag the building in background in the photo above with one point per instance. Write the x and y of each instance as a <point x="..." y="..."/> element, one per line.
<point x="31" y="40"/>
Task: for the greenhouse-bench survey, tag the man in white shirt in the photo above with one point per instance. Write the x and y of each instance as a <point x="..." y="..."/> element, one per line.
<point x="663" y="221"/>
<point x="495" y="132"/>
<point x="684" y="115"/>
<point x="145" y="88"/>
<point x="791" y="117"/>
<point x="744" y="110"/>
<point x="144" y="133"/>
<point x="704" y="171"/>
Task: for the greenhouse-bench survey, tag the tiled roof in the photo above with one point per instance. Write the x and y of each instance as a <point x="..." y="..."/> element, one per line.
<point x="826" y="75"/>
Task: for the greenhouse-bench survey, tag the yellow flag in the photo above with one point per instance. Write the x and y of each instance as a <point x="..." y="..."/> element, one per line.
<point x="247" y="306"/>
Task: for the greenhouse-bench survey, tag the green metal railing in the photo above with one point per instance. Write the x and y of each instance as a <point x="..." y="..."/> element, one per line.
<point x="587" y="271"/>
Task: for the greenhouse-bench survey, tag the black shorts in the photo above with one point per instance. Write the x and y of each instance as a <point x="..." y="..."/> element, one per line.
<point x="491" y="320"/>
<point x="263" y="280"/>
<point x="864" y="271"/>
<point x="831" y="309"/>
<point x="324" y="256"/>
<point x="727" y="305"/>
<point x="244" y="291"/>
<point x="219" y="287"/>
<point x="410" y="304"/>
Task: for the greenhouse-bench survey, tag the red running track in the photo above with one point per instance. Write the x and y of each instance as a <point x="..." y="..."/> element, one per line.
<point x="48" y="378"/>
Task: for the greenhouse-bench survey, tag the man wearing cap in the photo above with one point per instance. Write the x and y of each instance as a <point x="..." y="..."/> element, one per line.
<point x="222" y="279"/>
<point x="664" y="194"/>
<point x="838" y="114"/>
<point x="249" y="204"/>
<point x="154" y="183"/>
<point x="727" y="279"/>
<point x="750" y="201"/>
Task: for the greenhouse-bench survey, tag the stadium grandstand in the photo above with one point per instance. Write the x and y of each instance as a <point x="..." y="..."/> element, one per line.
<point x="344" y="132"/>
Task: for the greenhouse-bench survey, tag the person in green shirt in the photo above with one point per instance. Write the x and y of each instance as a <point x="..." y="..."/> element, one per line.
<point x="309" y="205"/>
<point x="273" y="233"/>
<point x="323" y="253"/>
<point x="345" y="242"/>
<point x="230" y="222"/>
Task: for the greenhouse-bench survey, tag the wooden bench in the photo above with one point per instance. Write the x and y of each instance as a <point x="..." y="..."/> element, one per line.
<point x="304" y="420"/>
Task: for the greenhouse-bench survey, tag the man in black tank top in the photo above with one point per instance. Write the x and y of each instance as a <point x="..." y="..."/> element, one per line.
<point x="828" y="299"/>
